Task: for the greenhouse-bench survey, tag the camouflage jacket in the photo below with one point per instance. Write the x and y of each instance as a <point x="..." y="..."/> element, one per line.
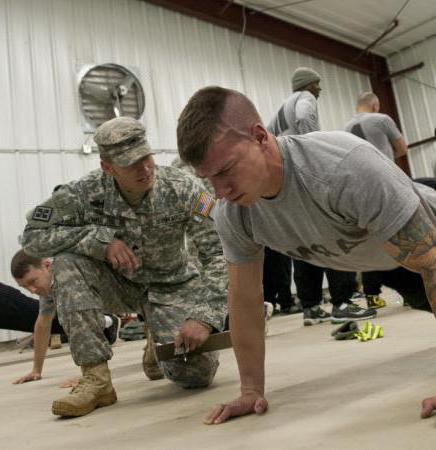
<point x="84" y="216"/>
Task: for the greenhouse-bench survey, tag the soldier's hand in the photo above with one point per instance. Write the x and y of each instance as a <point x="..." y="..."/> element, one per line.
<point x="245" y="404"/>
<point x="120" y="256"/>
<point x="191" y="335"/>
<point x="428" y="407"/>
<point x="32" y="376"/>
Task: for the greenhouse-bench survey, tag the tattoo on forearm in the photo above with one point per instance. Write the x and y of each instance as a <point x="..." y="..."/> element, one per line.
<point x="416" y="246"/>
<point x="416" y="238"/>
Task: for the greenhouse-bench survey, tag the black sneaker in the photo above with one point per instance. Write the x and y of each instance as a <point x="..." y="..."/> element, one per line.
<point x="111" y="332"/>
<point x="292" y="309"/>
<point x="351" y="312"/>
<point x="289" y="304"/>
<point x="314" y="315"/>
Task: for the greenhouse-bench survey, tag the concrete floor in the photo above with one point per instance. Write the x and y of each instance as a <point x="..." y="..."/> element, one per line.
<point x="322" y="394"/>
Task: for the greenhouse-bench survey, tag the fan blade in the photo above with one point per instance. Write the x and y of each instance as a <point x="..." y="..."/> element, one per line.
<point x="117" y="105"/>
<point x="99" y="92"/>
<point x="125" y="85"/>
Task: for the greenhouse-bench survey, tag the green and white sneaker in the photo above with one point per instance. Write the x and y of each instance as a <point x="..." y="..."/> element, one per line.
<point x="350" y="311"/>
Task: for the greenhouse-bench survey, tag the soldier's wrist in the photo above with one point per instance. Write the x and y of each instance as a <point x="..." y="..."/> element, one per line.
<point x="205" y="324"/>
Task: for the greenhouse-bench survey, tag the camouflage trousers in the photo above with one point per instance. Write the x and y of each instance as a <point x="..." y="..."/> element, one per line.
<point x="86" y="288"/>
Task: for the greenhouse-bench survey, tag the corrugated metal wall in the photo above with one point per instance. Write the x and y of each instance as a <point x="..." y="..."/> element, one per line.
<point x="416" y="100"/>
<point x="44" y="43"/>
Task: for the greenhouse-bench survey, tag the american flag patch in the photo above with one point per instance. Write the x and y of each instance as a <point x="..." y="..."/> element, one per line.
<point x="204" y="205"/>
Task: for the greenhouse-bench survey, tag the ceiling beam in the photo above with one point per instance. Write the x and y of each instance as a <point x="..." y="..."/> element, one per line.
<point x="406" y="70"/>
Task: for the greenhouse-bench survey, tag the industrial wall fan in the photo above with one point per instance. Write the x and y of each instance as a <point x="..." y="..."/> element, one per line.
<point x="107" y="91"/>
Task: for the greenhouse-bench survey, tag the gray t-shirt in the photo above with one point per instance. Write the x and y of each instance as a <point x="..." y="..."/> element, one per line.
<point x="340" y="200"/>
<point x="297" y="115"/>
<point x="379" y="129"/>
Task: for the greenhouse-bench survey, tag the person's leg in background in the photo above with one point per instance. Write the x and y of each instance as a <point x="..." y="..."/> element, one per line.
<point x="409" y="285"/>
<point x="285" y="299"/>
<point x="308" y="280"/>
<point x="17" y="311"/>
<point x="354" y="285"/>
<point x="372" y="284"/>
<point x="341" y="290"/>
<point x="277" y="276"/>
<point x="340" y="287"/>
<point x="269" y="288"/>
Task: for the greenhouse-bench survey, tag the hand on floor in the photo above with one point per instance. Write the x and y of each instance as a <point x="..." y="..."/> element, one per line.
<point x="428" y="407"/>
<point x="245" y="404"/>
<point x="32" y="376"/>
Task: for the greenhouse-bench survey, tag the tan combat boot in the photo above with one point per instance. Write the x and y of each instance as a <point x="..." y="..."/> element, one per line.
<point x="93" y="391"/>
<point x="151" y="367"/>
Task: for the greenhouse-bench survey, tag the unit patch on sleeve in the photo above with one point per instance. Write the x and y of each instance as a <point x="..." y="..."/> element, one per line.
<point x="203" y="206"/>
<point x="42" y="213"/>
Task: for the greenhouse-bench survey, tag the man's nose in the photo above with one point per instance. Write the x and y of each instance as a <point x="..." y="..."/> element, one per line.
<point x="144" y="166"/>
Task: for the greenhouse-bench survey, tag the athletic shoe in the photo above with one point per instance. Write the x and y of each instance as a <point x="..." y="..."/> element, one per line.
<point x="375" y="301"/>
<point x="350" y="311"/>
<point x="357" y="296"/>
<point x="314" y="315"/>
<point x="111" y="332"/>
<point x="294" y="307"/>
<point x="269" y="310"/>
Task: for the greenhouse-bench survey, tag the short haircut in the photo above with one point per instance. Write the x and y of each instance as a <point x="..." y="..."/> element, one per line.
<point x="366" y="99"/>
<point x="21" y="263"/>
<point x="206" y="113"/>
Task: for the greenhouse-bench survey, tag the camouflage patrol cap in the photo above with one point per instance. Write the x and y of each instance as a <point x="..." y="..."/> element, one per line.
<point x="122" y="141"/>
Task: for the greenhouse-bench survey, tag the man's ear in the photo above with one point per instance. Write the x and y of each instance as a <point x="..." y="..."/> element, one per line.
<point x="106" y="167"/>
<point x="259" y="133"/>
<point x="46" y="263"/>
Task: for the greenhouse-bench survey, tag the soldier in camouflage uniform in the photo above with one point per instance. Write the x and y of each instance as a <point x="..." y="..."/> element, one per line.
<point x="118" y="233"/>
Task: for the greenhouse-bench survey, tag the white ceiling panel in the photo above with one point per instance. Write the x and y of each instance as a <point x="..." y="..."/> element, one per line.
<point x="358" y="22"/>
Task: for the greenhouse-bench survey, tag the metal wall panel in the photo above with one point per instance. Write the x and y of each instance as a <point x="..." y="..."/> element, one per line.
<point x="416" y="100"/>
<point x="44" y="43"/>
